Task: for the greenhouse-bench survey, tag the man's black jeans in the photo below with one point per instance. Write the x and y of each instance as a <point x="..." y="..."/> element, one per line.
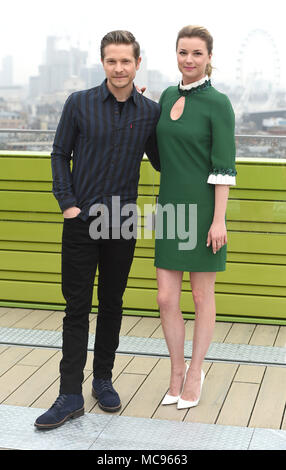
<point x="81" y="255"/>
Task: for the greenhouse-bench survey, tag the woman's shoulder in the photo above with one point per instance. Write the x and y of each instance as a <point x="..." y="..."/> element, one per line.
<point x="220" y="103"/>
<point x="217" y="97"/>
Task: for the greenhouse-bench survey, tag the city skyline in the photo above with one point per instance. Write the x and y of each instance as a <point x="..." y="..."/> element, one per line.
<point x="85" y="27"/>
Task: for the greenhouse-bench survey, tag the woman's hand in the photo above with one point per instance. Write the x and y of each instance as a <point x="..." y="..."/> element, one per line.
<point x="217" y="236"/>
<point x="140" y="90"/>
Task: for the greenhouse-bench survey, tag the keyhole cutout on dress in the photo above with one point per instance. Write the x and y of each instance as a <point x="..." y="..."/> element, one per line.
<point x="178" y="109"/>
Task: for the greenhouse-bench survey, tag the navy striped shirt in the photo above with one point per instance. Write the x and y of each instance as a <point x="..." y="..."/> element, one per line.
<point x="106" y="148"/>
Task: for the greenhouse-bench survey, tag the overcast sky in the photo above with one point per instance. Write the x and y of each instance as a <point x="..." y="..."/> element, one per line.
<point x="25" y="24"/>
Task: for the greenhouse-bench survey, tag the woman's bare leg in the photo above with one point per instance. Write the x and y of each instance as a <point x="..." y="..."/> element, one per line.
<point x="203" y="285"/>
<point x="169" y="293"/>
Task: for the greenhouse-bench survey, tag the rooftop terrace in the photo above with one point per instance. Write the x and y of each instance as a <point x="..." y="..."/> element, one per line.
<point x="243" y="404"/>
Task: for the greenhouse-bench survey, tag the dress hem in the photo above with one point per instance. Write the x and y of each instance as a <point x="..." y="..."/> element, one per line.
<point x="188" y="269"/>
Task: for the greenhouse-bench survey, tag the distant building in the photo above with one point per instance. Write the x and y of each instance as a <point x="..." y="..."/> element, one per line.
<point x="141" y="79"/>
<point x="258" y="118"/>
<point x="6" y="72"/>
<point x="92" y="76"/>
<point x="12" y="120"/>
<point x="61" y="63"/>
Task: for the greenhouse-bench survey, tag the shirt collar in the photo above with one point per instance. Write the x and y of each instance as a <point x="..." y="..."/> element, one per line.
<point x="194" y="84"/>
<point x="105" y="92"/>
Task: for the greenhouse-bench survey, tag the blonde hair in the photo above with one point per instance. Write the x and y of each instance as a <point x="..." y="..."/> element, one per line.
<point x="191" y="31"/>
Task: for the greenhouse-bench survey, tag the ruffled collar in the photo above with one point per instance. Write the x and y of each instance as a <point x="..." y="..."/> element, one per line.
<point x="195" y="86"/>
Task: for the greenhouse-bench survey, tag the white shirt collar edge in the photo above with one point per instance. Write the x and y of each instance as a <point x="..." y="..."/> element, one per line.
<point x="194" y="84"/>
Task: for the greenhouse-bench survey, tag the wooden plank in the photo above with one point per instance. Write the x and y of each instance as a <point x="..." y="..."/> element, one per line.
<point x="11" y="356"/>
<point x="240" y="333"/>
<point x="221" y="331"/>
<point x="270" y="404"/>
<point x="249" y="374"/>
<point x="264" y="335"/>
<point x="215" y="389"/>
<point x="13" y="315"/>
<point x="280" y="340"/>
<point x="14" y="378"/>
<point x="33" y="319"/>
<point x="151" y="391"/>
<point x="37" y="357"/>
<point x="141" y="365"/>
<point x="3" y="310"/>
<point x="36" y="383"/>
<point x="128" y="323"/>
<point x="236" y="410"/>
<point x="53" y="322"/>
<point x="189" y="330"/>
<point x="3" y="348"/>
<point x="145" y="327"/>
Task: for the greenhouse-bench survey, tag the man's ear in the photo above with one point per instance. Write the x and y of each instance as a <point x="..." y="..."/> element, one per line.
<point x="138" y="63"/>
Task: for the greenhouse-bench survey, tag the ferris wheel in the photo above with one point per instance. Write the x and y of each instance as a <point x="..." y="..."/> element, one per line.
<point x="258" y="59"/>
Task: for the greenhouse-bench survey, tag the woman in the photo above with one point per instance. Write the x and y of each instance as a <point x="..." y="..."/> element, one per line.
<point x="197" y="151"/>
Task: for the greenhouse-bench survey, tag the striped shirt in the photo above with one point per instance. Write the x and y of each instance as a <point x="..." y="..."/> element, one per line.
<point x="105" y="145"/>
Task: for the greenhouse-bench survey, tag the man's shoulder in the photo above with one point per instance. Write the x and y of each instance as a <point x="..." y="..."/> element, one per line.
<point x="151" y="104"/>
<point x="86" y="92"/>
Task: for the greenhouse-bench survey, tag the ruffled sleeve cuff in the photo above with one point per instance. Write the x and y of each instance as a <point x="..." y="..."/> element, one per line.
<point x="222" y="176"/>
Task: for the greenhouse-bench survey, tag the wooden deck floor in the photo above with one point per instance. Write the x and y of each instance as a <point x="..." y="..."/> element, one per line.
<point x="233" y="394"/>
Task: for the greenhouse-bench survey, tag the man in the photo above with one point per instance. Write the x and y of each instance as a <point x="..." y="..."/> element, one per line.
<point x="107" y="129"/>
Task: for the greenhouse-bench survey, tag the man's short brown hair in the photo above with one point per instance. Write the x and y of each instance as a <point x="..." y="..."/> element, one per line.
<point x="120" y="37"/>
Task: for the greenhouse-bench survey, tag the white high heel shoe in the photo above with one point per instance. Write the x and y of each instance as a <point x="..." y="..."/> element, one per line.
<point x="172" y="399"/>
<point x="189" y="404"/>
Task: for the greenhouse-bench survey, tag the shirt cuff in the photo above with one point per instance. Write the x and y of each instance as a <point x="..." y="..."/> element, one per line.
<point x="222" y="179"/>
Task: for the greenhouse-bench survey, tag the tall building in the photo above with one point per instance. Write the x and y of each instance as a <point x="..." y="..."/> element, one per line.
<point x="92" y="76"/>
<point x="6" y="71"/>
<point x="61" y="63"/>
<point x="141" y="79"/>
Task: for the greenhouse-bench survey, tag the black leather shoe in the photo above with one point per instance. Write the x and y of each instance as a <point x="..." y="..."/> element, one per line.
<point x="108" y="398"/>
<point x="65" y="407"/>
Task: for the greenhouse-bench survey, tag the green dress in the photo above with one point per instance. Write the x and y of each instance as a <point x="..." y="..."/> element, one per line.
<point x="197" y="151"/>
